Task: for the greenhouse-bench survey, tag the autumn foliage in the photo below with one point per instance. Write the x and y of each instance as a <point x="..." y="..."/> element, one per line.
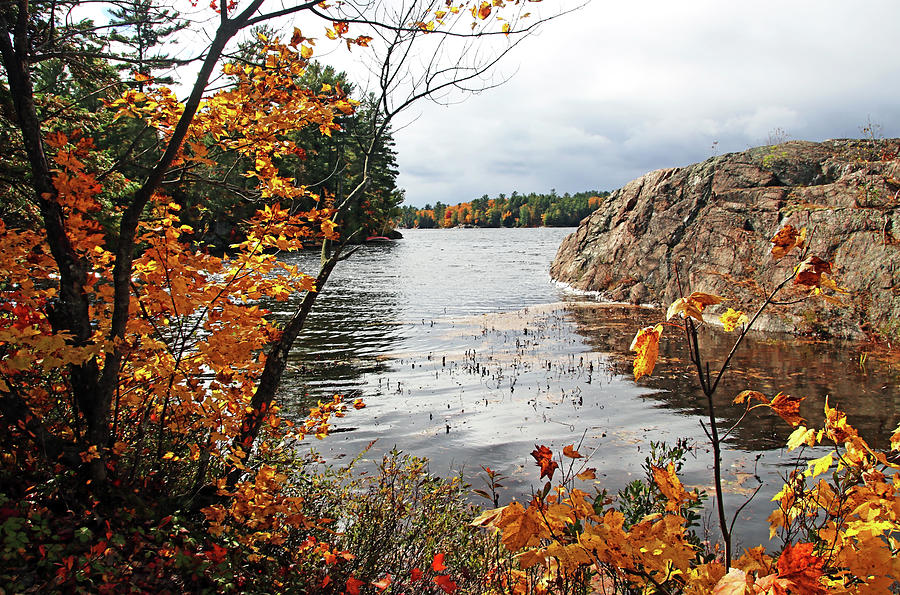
<point x="837" y="516"/>
<point x="143" y="445"/>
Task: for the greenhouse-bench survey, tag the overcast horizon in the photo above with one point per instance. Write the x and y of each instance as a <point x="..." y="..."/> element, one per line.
<point x="609" y="93"/>
<point x="612" y="91"/>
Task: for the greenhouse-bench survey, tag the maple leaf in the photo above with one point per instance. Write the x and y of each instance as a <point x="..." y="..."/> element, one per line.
<point x="438" y="563"/>
<point x="732" y="318"/>
<point x="750" y="395"/>
<point x="56" y="140"/>
<point x="484" y="11"/>
<point x="383" y="583"/>
<point x="353" y="585"/>
<point x="788" y="408"/>
<point x="487" y="517"/>
<point x="733" y="583"/>
<point x="646" y="345"/>
<point x="415" y="574"/>
<point x="543" y="456"/>
<point x="692" y="305"/>
<point x="798" y="565"/>
<point x="569" y="451"/>
<point x="589" y="473"/>
<point x="443" y="581"/>
<point x="786" y="239"/>
<point x="519" y="526"/>
<point x="820" y="465"/>
<point x="809" y="272"/>
<point x="670" y="486"/>
<point x="802" y="435"/>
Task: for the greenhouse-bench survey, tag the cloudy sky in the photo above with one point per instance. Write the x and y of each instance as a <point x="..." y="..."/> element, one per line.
<point x="621" y="88"/>
<point x="616" y="89"/>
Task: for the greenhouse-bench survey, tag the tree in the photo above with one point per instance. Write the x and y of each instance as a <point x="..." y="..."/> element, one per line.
<point x="132" y="360"/>
<point x="142" y="26"/>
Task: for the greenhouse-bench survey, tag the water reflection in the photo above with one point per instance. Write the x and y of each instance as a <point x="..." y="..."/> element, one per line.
<point x="769" y="363"/>
<point x="467" y="354"/>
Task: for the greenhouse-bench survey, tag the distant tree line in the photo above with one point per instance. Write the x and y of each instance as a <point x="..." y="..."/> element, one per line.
<point x="517" y="210"/>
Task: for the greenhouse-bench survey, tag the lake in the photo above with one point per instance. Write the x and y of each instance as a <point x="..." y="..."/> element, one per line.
<point x="467" y="353"/>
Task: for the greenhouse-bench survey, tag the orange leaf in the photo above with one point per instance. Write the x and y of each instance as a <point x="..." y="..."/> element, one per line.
<point x="692" y="305"/>
<point x="438" y="563"/>
<point x="484" y="11"/>
<point x="543" y="456"/>
<point x="589" y="473"/>
<point x="787" y="238"/>
<point x="750" y="395"/>
<point x="788" y="408"/>
<point x="809" y="272"/>
<point x="670" y="486"/>
<point x="798" y="565"/>
<point x="383" y="583"/>
<point x="519" y="526"/>
<point x="569" y="451"/>
<point x="646" y="345"/>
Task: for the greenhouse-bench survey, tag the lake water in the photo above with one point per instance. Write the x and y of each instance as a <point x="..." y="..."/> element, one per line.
<point x="467" y="353"/>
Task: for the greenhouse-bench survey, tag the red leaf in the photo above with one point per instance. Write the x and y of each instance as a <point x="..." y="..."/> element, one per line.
<point x="415" y="575"/>
<point x="438" y="564"/>
<point x="544" y="458"/>
<point x="353" y="585"/>
<point x="443" y="581"/>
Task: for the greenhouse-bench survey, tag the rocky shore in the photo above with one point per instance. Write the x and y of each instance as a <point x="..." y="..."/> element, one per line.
<point x="707" y="226"/>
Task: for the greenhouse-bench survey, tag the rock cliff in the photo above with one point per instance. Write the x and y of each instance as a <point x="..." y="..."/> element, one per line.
<point x="708" y="226"/>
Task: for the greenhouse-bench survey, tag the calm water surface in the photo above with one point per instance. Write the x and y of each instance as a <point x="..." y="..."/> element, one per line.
<point x="467" y="353"/>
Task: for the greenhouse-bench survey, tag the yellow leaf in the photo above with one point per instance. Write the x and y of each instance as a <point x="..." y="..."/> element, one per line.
<point x="487" y="518"/>
<point x="646" y="345"/>
<point x="732" y="318"/>
<point x="801" y="435"/>
<point x="306" y="52"/>
<point x="820" y="465"/>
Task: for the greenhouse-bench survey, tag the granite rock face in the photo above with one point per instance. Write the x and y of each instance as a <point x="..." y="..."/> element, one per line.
<point x="709" y="225"/>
